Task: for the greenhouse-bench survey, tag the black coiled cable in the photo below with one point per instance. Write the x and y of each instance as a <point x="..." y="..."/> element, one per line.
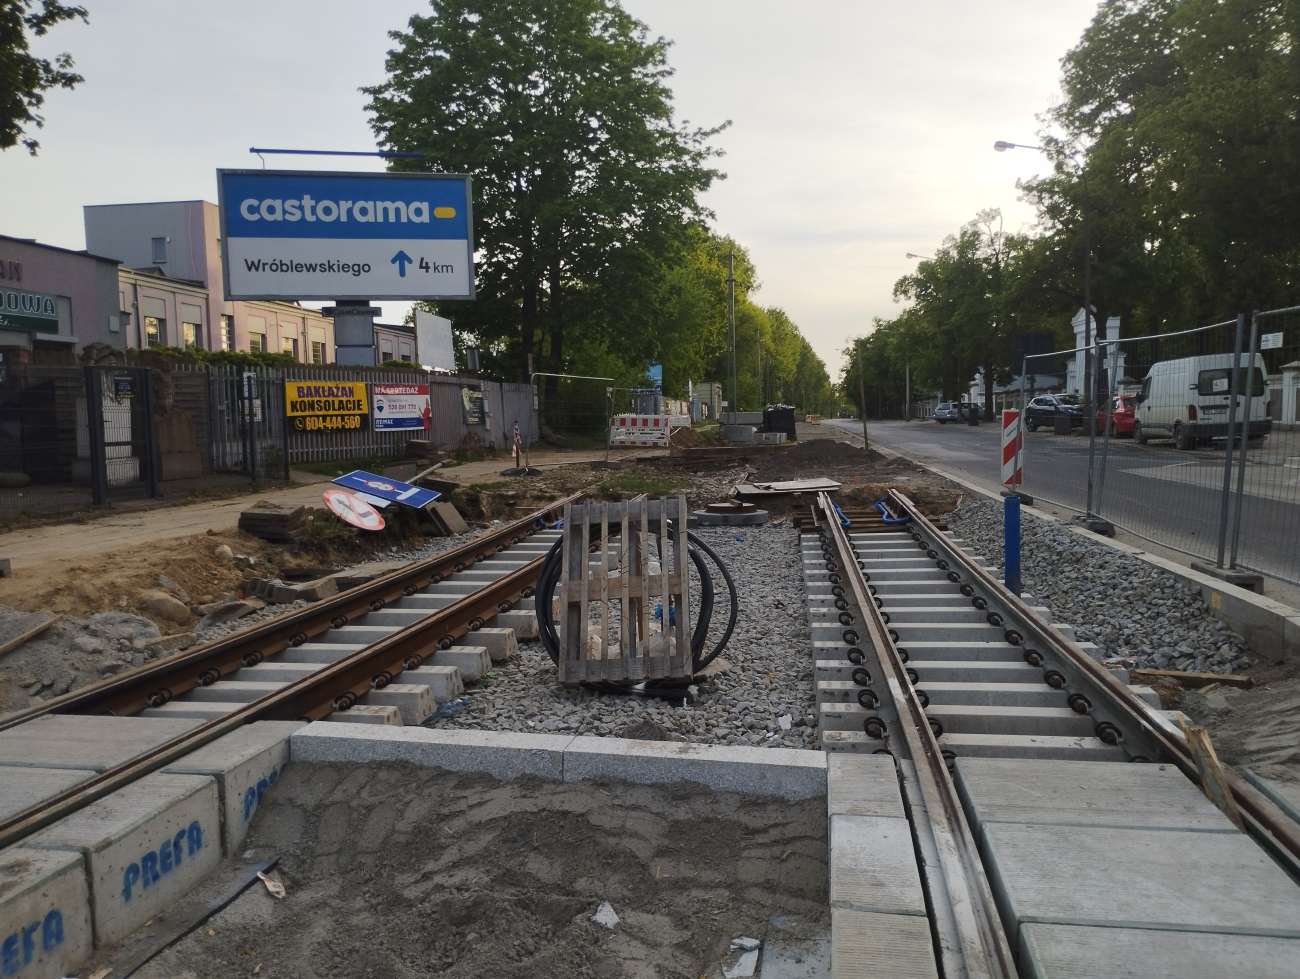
<point x="548" y="579"/>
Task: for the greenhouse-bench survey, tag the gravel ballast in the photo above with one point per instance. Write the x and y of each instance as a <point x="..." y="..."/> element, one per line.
<point x="1127" y="607"/>
<point x="769" y="684"/>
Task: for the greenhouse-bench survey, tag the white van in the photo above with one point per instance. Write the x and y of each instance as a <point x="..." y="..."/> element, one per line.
<point x="1187" y="400"/>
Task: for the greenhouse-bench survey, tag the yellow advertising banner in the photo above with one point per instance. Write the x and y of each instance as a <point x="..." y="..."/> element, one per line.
<point x="314" y="406"/>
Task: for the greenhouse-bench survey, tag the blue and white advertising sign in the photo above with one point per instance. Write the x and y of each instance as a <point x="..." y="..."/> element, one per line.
<point x="385" y="489"/>
<point x="293" y="234"/>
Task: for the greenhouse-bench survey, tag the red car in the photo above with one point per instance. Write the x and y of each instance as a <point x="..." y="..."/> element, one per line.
<point x="1121" y="419"/>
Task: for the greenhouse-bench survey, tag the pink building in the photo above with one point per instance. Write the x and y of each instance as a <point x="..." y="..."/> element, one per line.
<point x="55" y="300"/>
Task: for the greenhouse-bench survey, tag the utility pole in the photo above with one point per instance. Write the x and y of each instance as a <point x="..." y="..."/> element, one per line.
<point x="862" y="396"/>
<point x="731" y="330"/>
<point x="907" y="393"/>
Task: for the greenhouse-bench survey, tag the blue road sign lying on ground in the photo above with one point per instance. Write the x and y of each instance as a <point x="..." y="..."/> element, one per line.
<point x="385" y="489"/>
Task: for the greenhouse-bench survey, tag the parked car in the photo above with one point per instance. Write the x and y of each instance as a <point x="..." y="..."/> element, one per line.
<point x="952" y="411"/>
<point x="1188" y="400"/>
<point x="1044" y="409"/>
<point x="1121" y="416"/>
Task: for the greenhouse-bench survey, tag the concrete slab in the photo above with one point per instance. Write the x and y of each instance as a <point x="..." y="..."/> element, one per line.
<point x="145" y="847"/>
<point x="1084" y="793"/>
<point x="245" y="763"/>
<point x="790" y="773"/>
<point x="22" y="788"/>
<point x="873" y="866"/>
<point x="368" y="714"/>
<point x="1125" y="878"/>
<point x="86" y="741"/>
<point x="414" y="701"/>
<point x="522" y="622"/>
<point x="867" y="945"/>
<point x="473" y="662"/>
<point x="504" y="755"/>
<point x="862" y="785"/>
<point x="501" y="644"/>
<point x="1067" y="748"/>
<point x="45" y="927"/>
<point x="444" y="682"/>
<point x="1067" y="952"/>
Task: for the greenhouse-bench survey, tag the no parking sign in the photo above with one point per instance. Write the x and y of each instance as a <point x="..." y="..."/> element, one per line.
<point x="352" y="509"/>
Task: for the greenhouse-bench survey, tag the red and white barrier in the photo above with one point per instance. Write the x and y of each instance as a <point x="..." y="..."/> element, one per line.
<point x="643" y="430"/>
<point x="1012" y="449"/>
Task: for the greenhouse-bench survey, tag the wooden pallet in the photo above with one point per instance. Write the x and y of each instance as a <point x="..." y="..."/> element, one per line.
<point x="626" y="645"/>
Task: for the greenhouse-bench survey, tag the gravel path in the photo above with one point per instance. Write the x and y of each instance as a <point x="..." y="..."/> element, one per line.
<point x="1127" y="607"/>
<point x="770" y="677"/>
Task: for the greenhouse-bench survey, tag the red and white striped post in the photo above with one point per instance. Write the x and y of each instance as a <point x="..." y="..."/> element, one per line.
<point x="1012" y="474"/>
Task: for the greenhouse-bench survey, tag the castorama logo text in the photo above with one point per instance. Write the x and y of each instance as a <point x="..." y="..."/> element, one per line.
<point x="285" y="204"/>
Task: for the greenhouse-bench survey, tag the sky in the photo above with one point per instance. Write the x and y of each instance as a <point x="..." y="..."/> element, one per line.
<point x="860" y="129"/>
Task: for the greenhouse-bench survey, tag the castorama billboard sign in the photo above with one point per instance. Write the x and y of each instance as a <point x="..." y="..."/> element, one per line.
<point x="311" y="235"/>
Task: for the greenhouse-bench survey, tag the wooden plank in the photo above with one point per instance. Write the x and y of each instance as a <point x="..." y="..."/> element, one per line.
<point x="1191" y="679"/>
<point x="683" y="592"/>
<point x="591" y="671"/>
<point x="626" y="617"/>
<point x="31" y="633"/>
<point x="642" y="610"/>
<point x="664" y="596"/>
<point x="1213" y="783"/>
<point x="604" y="594"/>
<point x="646" y="587"/>
<point x="575" y="557"/>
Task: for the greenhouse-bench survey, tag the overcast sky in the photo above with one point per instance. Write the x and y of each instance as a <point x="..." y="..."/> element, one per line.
<point x="861" y="129"/>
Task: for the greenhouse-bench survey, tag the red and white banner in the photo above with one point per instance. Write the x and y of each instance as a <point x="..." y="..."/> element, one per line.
<point x="1012" y="448"/>
<point x="644" y="430"/>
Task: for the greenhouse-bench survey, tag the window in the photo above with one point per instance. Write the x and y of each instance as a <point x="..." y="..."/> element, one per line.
<point x="191" y="326"/>
<point x="317" y="352"/>
<point x="405" y="351"/>
<point x="227" y="333"/>
<point x="160" y="251"/>
<point x="256" y="342"/>
<point x="257" y="333"/>
<point x="1220" y="382"/>
<point x="386" y="349"/>
<point x="290" y="346"/>
<point x="155" y="330"/>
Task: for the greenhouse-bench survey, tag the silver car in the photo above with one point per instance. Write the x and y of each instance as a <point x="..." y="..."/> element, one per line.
<point x="952" y="411"/>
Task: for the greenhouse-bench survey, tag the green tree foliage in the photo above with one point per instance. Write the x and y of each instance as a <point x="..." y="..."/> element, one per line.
<point x="24" y="78"/>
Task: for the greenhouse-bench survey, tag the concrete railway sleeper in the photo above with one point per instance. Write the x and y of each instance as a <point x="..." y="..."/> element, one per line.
<point x="305" y="666"/>
<point x="1004" y="734"/>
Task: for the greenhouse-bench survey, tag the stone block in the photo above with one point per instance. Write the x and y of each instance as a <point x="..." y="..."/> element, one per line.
<point x="789" y="773"/>
<point x="522" y="622"/>
<point x="862" y="785"/>
<point x="86" y="741"/>
<point x="873" y="866"/>
<point x="444" y="682"/>
<point x="739" y="434"/>
<point x="413" y="700"/>
<point x="500" y="644"/>
<point x="503" y="755"/>
<point x="368" y="714"/>
<point x="145" y="847"/>
<point x="45" y="927"/>
<point x="472" y="661"/>
<point x="21" y="788"/>
<point x="245" y="763"/>
<point x="867" y="945"/>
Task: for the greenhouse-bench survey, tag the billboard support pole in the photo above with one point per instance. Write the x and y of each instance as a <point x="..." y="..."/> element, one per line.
<point x="354" y="332"/>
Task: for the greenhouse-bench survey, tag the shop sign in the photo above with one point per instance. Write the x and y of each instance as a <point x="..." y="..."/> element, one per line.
<point x="325" y="406"/>
<point x="23" y="310"/>
<point x="401" y="406"/>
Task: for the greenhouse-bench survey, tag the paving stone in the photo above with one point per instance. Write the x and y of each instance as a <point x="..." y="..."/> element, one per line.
<point x="502" y="755"/>
<point x="789" y="773"/>
<point x="86" y="741"/>
<point x="473" y="661"/>
<point x="1069" y="952"/>
<point x="22" y="788"/>
<point x="1137" y="878"/>
<point x="145" y="847"/>
<point x="413" y="700"/>
<point x="245" y="764"/>
<point x="873" y="866"/>
<point x="868" y="945"/>
<point x="862" y="785"/>
<point x="1085" y="793"/>
<point x="45" y="926"/>
<point x="368" y="714"/>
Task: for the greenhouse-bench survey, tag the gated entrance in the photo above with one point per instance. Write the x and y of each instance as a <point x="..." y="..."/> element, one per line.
<point x="122" y="445"/>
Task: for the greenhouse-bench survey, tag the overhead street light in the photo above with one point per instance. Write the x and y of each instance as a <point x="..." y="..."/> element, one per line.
<point x="1002" y="146"/>
<point x="914" y="255"/>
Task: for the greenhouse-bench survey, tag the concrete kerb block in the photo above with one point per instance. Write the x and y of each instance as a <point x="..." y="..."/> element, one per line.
<point x="413" y="700"/>
<point x="503" y="755"/>
<point x="473" y="661"/>
<point x="873" y="866"/>
<point x="245" y="764"/>
<point x="789" y="773"/>
<point x="501" y="644"/>
<point x="45" y="926"/>
<point x="862" y="941"/>
<point x="145" y="847"/>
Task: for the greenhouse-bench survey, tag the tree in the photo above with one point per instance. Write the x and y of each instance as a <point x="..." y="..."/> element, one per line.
<point x="584" y="186"/>
<point x="25" y="78"/>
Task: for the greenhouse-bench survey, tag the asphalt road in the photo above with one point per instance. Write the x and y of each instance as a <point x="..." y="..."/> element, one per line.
<point x="1154" y="491"/>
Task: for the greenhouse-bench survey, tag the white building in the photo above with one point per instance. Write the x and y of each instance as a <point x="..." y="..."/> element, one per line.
<point x="1076" y="379"/>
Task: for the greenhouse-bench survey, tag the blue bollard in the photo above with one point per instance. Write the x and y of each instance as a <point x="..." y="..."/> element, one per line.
<point x="1011" y="543"/>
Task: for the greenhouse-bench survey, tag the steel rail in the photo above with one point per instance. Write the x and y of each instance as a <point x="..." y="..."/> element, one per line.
<point x="156" y="684"/>
<point x="336" y="686"/>
<point x="1124" y="718"/>
<point x="980" y="937"/>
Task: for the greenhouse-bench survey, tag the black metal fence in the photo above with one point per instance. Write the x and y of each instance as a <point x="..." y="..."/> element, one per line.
<point x="72" y="437"/>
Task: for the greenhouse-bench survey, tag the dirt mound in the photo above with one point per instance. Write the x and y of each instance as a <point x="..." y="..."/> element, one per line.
<point x="811" y="458"/>
<point x="692" y="438"/>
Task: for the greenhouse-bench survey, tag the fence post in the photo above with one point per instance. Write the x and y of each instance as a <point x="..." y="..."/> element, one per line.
<point x="1090" y="405"/>
<point x="1011" y="543"/>
<point x="1110" y="405"/>
<point x="1226" y="493"/>
<point x="151" y="446"/>
<point x="283" y="415"/>
<point x="1245" y="432"/>
<point x="95" y="433"/>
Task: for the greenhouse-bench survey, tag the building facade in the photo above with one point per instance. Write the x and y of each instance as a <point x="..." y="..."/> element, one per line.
<point x="55" y="300"/>
<point x="395" y="342"/>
